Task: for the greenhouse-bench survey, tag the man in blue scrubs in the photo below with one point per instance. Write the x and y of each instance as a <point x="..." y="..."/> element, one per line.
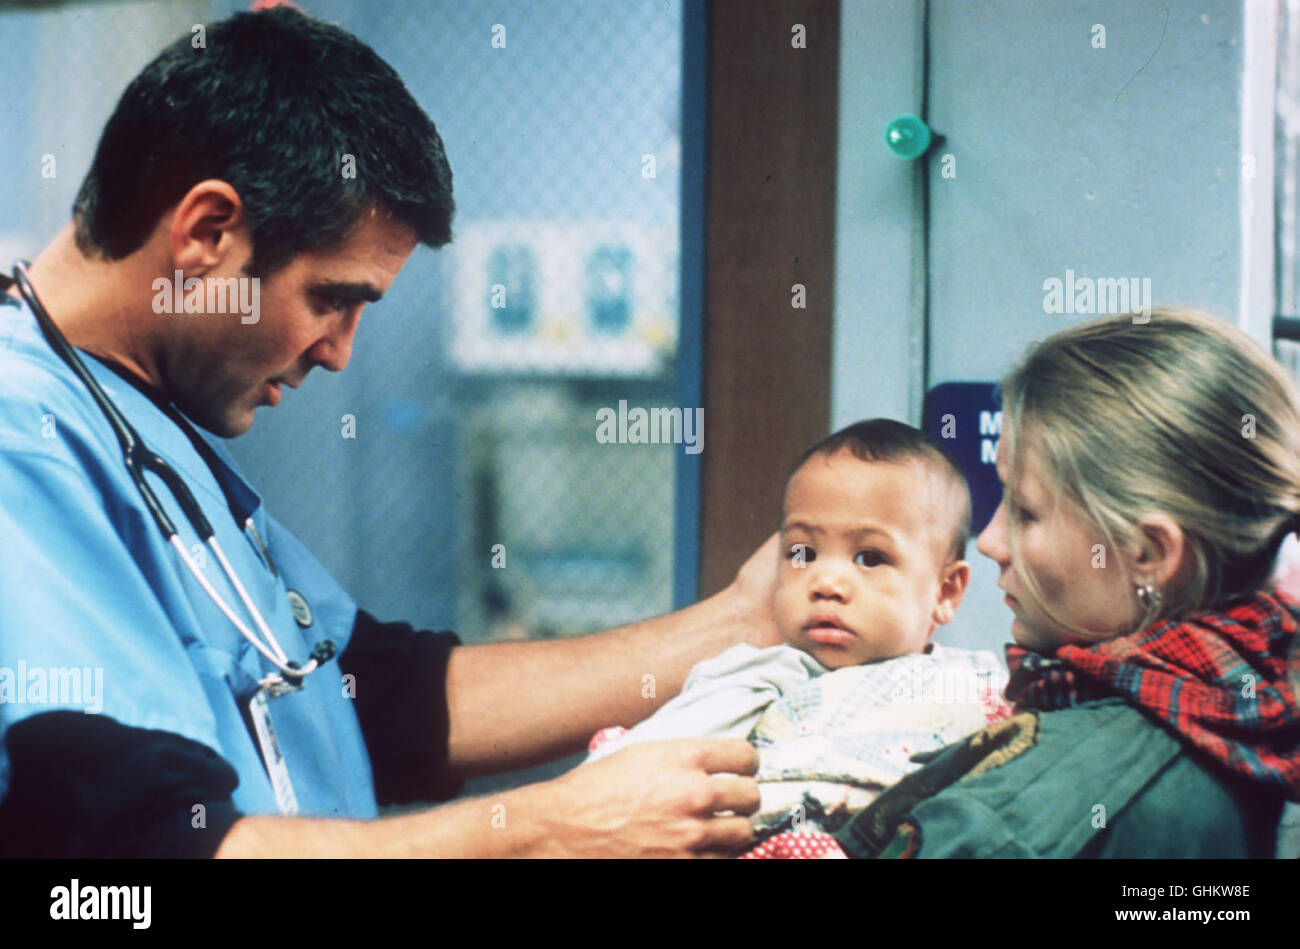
<point x="130" y="716"/>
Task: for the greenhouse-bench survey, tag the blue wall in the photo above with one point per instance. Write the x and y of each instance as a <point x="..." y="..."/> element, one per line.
<point x="1110" y="162"/>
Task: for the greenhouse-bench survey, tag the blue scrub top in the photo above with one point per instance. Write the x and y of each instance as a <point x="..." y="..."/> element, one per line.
<point x="87" y="583"/>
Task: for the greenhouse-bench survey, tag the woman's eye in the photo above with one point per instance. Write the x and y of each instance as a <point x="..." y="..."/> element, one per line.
<point x="1018" y="512"/>
<point x="869" y="558"/>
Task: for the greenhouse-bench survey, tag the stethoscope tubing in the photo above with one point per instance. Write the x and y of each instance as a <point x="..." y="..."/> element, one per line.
<point x="138" y="459"/>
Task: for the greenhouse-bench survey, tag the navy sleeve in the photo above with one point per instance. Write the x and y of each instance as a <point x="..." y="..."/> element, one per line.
<point x="88" y="786"/>
<point x="401" y="700"/>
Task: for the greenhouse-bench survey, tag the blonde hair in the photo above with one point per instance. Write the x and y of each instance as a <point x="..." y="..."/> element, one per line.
<point x="1183" y="415"/>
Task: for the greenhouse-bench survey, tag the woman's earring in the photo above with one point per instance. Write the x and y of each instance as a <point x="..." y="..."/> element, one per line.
<point x="1149" y="597"/>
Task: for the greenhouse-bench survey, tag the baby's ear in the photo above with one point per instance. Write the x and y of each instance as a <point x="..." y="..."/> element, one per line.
<point x="952" y="587"/>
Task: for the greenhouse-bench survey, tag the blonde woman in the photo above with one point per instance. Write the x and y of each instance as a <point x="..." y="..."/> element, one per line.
<point x="1150" y="472"/>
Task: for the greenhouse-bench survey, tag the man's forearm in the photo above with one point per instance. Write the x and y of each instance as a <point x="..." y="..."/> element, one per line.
<point x="517" y="704"/>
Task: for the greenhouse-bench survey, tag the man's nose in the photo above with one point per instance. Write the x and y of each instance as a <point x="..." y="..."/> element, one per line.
<point x="992" y="542"/>
<point x="334" y="350"/>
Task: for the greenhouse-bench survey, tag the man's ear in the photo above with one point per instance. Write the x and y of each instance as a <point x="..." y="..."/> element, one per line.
<point x="1163" y="552"/>
<point x="956" y="577"/>
<point x="207" y="227"/>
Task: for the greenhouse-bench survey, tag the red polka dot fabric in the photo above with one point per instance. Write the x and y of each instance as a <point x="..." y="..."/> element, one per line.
<point x="797" y="845"/>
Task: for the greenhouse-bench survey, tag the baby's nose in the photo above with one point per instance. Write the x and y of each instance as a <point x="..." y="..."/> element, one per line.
<point x="829" y="580"/>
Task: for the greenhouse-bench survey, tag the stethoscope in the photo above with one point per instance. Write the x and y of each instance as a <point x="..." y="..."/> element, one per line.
<point x="138" y="459"/>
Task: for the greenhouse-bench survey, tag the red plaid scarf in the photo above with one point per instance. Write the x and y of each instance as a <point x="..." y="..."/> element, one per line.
<point x="1223" y="680"/>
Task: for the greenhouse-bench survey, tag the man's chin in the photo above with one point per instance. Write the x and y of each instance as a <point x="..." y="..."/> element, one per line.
<point x="229" y="424"/>
<point x="233" y="425"/>
<point x="236" y="429"/>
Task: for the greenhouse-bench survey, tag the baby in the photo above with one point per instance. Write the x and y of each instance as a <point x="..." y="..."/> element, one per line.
<point x="874" y="528"/>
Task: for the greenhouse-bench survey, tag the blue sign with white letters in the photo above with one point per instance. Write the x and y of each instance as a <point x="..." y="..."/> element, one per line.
<point x="966" y="418"/>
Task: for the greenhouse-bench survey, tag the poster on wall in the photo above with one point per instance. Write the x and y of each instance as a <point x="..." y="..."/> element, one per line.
<point x="585" y="298"/>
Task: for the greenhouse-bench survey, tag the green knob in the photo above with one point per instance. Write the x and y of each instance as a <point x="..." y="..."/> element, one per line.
<point x="907" y="137"/>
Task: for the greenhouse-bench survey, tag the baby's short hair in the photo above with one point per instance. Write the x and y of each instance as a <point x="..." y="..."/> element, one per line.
<point x="884" y="439"/>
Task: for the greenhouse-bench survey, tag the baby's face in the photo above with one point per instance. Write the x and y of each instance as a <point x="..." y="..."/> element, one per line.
<point x="872" y="543"/>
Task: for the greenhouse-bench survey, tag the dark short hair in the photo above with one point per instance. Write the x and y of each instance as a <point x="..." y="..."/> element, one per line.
<point x="884" y="439"/>
<point x="270" y="104"/>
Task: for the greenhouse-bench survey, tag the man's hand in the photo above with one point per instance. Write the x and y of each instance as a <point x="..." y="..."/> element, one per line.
<point x="653" y="799"/>
<point x="752" y="592"/>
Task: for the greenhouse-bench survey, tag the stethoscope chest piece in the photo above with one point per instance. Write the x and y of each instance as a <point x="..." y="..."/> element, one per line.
<point x="301" y="610"/>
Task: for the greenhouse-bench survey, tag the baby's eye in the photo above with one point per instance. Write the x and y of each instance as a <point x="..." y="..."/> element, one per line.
<point x="869" y="558"/>
<point x="800" y="554"/>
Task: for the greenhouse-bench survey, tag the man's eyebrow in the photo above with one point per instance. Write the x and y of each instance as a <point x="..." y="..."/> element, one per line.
<point x="349" y="290"/>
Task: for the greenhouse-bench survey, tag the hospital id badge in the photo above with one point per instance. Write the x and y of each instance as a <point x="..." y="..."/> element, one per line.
<point x="271" y="757"/>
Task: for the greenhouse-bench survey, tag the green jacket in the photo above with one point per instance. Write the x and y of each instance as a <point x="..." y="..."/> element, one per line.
<point x="1096" y="780"/>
